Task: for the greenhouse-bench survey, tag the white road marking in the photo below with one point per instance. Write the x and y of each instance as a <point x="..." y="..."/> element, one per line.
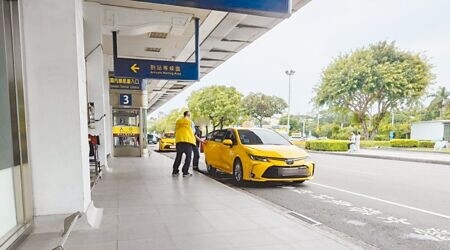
<point x="431" y="234"/>
<point x="382" y="200"/>
<point x="356" y="222"/>
<point x="392" y="219"/>
<point x="301" y="191"/>
<point x="364" y="210"/>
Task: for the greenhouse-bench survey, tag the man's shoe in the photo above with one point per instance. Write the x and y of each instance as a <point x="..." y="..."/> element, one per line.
<point x="187" y="175"/>
<point x="175" y="174"/>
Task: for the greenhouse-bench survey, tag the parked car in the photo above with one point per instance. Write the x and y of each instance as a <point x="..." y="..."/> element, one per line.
<point x="167" y="142"/>
<point x="152" y="138"/>
<point x="256" y="155"/>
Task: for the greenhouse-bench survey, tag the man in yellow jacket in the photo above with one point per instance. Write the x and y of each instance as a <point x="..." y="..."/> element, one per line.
<point x="185" y="140"/>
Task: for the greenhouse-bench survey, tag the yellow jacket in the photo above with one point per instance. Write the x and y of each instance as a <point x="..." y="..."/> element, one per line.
<point x="184" y="132"/>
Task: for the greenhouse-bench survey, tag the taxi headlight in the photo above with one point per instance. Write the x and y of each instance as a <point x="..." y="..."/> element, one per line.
<point x="258" y="158"/>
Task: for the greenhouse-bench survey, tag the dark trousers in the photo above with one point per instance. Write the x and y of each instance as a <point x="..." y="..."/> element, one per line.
<point x="195" y="150"/>
<point x="182" y="148"/>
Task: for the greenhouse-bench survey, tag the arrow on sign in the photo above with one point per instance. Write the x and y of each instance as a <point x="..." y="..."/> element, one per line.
<point x="135" y="68"/>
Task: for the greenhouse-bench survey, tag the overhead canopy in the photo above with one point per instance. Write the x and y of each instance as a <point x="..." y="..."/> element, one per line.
<point x="270" y="8"/>
<point x="166" y="32"/>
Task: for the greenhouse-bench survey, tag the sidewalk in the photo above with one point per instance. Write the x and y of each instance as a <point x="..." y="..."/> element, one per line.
<point x="399" y="155"/>
<point x="146" y="208"/>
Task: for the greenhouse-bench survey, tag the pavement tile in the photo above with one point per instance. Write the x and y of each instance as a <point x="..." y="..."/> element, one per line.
<point x="146" y="208"/>
<point x="163" y="243"/>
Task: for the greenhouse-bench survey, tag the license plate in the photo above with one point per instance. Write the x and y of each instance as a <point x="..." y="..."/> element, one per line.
<point x="294" y="172"/>
<point x="172" y="147"/>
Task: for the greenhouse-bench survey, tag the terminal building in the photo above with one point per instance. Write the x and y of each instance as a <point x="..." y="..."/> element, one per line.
<point x="78" y="79"/>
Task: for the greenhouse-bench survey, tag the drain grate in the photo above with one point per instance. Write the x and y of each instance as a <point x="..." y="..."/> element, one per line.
<point x="304" y="218"/>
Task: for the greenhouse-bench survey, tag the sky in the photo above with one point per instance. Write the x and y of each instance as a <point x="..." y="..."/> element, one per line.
<point x="309" y="40"/>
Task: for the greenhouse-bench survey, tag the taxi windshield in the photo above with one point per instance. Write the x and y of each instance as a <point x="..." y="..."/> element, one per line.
<point x="169" y="135"/>
<point x="261" y="137"/>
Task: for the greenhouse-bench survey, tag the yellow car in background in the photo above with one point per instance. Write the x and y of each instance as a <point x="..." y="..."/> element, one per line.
<point x="167" y="142"/>
<point x="256" y="154"/>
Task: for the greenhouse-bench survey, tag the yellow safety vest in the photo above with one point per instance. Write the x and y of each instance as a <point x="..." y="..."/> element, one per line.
<point x="183" y="131"/>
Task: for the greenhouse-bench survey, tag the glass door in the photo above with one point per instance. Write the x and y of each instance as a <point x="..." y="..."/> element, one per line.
<point x="446" y="131"/>
<point x="126" y="132"/>
<point x="15" y="182"/>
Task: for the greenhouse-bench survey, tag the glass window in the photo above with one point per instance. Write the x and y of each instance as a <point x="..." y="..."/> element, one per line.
<point x="230" y="135"/>
<point x="260" y="137"/>
<point x="169" y="135"/>
<point x="218" y="137"/>
<point x="447" y="132"/>
<point x="8" y="214"/>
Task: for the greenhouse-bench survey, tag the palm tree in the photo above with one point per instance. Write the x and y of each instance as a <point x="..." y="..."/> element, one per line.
<point x="441" y="98"/>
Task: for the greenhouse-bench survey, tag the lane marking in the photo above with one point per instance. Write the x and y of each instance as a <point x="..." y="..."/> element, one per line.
<point x="382" y="200"/>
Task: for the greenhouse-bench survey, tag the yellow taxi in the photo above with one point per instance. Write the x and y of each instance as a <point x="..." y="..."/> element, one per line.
<point x="167" y="142"/>
<point x="256" y="154"/>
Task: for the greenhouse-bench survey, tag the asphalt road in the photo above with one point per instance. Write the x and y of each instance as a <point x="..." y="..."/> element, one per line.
<point x="384" y="203"/>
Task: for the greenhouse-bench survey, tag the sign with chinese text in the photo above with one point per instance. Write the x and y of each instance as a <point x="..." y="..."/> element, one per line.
<point x="271" y="8"/>
<point x="153" y="69"/>
<point x="125" y="82"/>
<point x="125" y="130"/>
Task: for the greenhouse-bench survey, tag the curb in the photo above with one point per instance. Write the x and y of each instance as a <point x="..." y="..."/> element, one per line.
<point x="382" y="157"/>
<point x="407" y="151"/>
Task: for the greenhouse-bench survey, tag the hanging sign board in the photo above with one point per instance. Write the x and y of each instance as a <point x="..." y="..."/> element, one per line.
<point x="125" y="130"/>
<point x="125" y="82"/>
<point x="269" y="8"/>
<point x="125" y="99"/>
<point x="152" y="69"/>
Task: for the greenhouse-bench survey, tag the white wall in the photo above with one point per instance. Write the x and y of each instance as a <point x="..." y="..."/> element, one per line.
<point x="54" y="69"/>
<point x="432" y="131"/>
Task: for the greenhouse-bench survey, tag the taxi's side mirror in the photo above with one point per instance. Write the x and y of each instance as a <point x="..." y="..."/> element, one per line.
<point x="228" y="142"/>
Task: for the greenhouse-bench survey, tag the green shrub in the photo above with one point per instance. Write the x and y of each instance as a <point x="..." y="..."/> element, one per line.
<point x="327" y="145"/>
<point x="372" y="144"/>
<point x="426" y="144"/>
<point x="404" y="143"/>
<point x="381" y="137"/>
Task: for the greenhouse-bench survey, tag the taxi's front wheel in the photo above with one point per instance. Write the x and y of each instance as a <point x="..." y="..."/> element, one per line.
<point x="238" y="172"/>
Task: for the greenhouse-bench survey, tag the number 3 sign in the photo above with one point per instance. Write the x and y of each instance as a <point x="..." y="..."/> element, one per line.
<point x="125" y="99"/>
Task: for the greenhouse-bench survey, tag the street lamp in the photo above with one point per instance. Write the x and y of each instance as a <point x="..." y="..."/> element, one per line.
<point x="289" y="73"/>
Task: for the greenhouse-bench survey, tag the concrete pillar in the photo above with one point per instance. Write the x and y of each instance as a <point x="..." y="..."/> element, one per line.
<point x="54" y="70"/>
<point x="95" y="73"/>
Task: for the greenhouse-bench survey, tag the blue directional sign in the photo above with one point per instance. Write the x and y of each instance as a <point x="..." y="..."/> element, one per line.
<point x="152" y="69"/>
<point x="272" y="8"/>
<point x="125" y="99"/>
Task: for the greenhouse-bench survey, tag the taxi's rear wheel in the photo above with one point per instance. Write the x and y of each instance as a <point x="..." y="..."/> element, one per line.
<point x="238" y="172"/>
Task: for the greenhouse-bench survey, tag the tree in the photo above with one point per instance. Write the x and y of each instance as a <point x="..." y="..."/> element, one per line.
<point x="380" y="77"/>
<point x="221" y="104"/>
<point x="167" y="123"/>
<point x="441" y="100"/>
<point x="260" y="106"/>
<point x="294" y="123"/>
